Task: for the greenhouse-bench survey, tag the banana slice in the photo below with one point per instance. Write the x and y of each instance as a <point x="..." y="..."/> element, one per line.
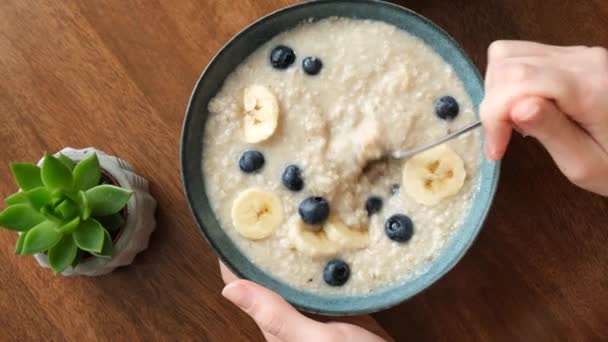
<point x="256" y="214"/>
<point x="313" y="243"/>
<point x="344" y="236"/>
<point x="433" y="175"/>
<point x="261" y="113"/>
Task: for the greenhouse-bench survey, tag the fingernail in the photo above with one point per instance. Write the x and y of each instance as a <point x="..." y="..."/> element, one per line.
<point x="532" y="113"/>
<point x="239" y="295"/>
<point x="490" y="153"/>
<point x="493" y="154"/>
<point x="527" y="113"/>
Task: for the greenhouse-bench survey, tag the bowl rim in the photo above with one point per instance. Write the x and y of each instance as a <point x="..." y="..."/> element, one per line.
<point x="189" y="114"/>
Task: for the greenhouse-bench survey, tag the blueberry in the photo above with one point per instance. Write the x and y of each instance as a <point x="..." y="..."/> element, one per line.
<point x="312" y="65"/>
<point x="336" y="272"/>
<point x="314" y="210"/>
<point x="399" y="228"/>
<point x="281" y="57"/>
<point x="251" y="161"/>
<point x="373" y="205"/>
<point x="292" y="178"/>
<point x="394" y="188"/>
<point x="446" y="108"/>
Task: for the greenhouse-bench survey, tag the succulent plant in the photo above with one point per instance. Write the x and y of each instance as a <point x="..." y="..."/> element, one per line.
<point x="64" y="209"/>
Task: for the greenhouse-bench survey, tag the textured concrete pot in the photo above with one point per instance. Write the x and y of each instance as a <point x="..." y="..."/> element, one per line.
<point x="139" y="224"/>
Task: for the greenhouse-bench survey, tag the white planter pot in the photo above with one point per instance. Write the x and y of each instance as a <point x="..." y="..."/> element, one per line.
<point x="139" y="224"/>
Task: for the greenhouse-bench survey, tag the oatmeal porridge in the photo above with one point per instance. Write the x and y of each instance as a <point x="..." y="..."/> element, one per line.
<point x="289" y="144"/>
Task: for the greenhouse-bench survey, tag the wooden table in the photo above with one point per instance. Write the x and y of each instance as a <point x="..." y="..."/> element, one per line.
<point x="117" y="75"/>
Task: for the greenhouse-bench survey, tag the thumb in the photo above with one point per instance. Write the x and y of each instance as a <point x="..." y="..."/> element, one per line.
<point x="272" y="313"/>
<point x="570" y="146"/>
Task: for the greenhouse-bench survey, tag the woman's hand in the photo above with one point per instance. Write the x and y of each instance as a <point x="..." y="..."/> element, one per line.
<point x="279" y="321"/>
<point x="559" y="95"/>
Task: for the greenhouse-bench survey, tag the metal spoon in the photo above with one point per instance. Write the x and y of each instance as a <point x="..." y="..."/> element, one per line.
<point x="371" y="164"/>
<point x="408" y="153"/>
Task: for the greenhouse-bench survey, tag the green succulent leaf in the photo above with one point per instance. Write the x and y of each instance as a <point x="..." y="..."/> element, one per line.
<point x="41" y="238"/>
<point x="39" y="197"/>
<point x="107" y="199"/>
<point x="69" y="163"/>
<point x="63" y="254"/>
<point x="111" y="222"/>
<point x="67" y="209"/>
<point x="17" y="198"/>
<point x="27" y="175"/>
<point x="78" y="257"/>
<point x="70" y="226"/>
<point x="55" y="175"/>
<point x="89" y="236"/>
<point x="49" y="213"/>
<point x="106" y="250"/>
<point x="20" y="217"/>
<point x="87" y="173"/>
<point x="83" y="205"/>
<point x="19" y="243"/>
<point x="57" y="196"/>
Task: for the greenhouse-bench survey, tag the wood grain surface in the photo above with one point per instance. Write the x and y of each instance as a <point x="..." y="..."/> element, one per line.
<point x="117" y="75"/>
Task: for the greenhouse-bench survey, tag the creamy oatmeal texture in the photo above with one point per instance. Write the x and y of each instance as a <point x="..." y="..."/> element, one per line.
<point x="375" y="93"/>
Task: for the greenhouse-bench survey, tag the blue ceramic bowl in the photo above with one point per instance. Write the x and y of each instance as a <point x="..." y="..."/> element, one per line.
<point x="244" y="44"/>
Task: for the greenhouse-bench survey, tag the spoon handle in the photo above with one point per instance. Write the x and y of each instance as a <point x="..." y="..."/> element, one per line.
<point x="405" y="154"/>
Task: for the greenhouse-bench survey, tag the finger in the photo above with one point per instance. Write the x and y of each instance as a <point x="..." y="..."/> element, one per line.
<point x="227" y="275"/>
<point x="518" y="48"/>
<point x="349" y="332"/>
<point x="572" y="149"/>
<point x="530" y="53"/>
<point x="270" y="338"/>
<point x="505" y="71"/>
<point x="519" y="69"/>
<point x="273" y="314"/>
<point x="366" y="322"/>
<point x="496" y="129"/>
<point x="521" y="81"/>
